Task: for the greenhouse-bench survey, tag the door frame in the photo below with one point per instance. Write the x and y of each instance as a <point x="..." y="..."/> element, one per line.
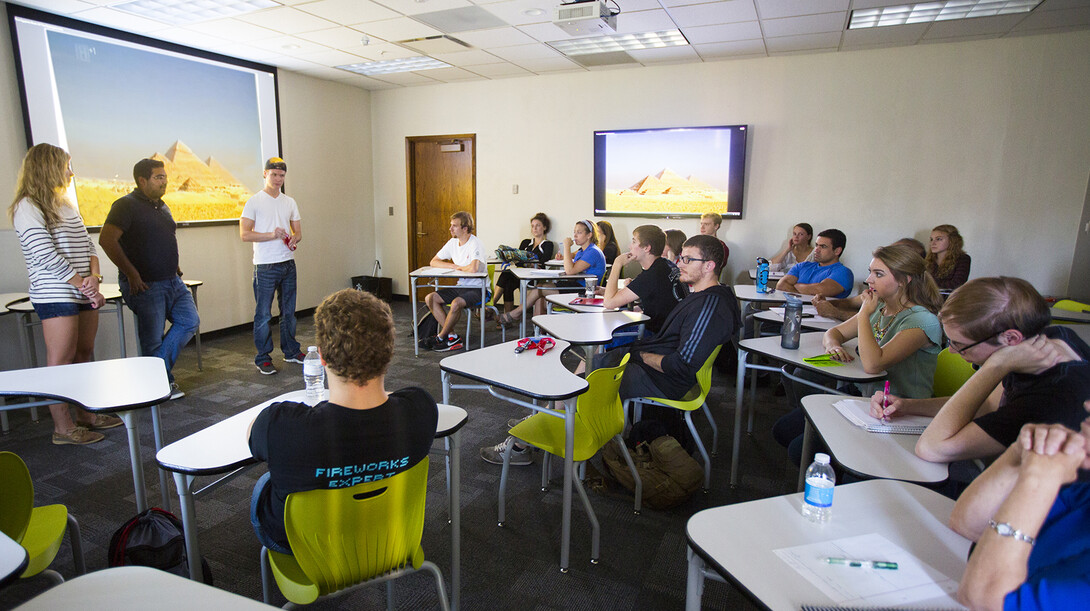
<point x="410" y="184"/>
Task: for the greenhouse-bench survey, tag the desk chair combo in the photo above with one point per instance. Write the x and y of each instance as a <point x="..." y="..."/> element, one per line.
<point x="350" y="537"/>
<point x="39" y="530"/>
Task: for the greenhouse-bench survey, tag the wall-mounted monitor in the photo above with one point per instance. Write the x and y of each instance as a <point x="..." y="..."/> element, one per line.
<point x="670" y="172"/>
<point x="111" y="98"/>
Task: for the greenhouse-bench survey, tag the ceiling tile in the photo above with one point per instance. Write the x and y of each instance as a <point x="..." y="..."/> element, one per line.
<point x="189" y="38"/>
<point x="331" y="57"/>
<point x="121" y="21"/>
<point x="288" y="45"/>
<point x="808" y="42"/>
<point x="862" y="4"/>
<point x="337" y="38"/>
<point x="499" y="37"/>
<point x="899" y="34"/>
<point x="772" y="9"/>
<point x="549" y="64"/>
<point x="294" y="64"/>
<point x="349" y="12"/>
<point x="1055" y="5"/>
<point x="408" y="78"/>
<point x="973" y="27"/>
<point x="233" y="30"/>
<point x="287" y="20"/>
<point x="713" y="13"/>
<point x="724" y="32"/>
<point x="808" y="24"/>
<point x="472" y="57"/>
<point x="665" y="55"/>
<point x="731" y="49"/>
<point x="415" y="7"/>
<point x="644" y="21"/>
<point x="631" y="6"/>
<point x="514" y="11"/>
<point x="498" y="70"/>
<point x="401" y="28"/>
<point x="520" y="52"/>
<point x="450" y="75"/>
<point x="1038" y="20"/>
<point x="465" y="19"/>
<point x="674" y="3"/>
<point x="545" y="32"/>
<point x="58" y="7"/>
<point x="379" y="51"/>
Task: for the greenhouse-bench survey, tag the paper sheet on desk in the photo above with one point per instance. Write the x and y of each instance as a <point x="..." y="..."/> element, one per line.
<point x="551" y="273"/>
<point x="913" y="581"/>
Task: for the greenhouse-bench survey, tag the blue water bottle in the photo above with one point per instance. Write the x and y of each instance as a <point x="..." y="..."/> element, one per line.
<point x="762" y="275"/>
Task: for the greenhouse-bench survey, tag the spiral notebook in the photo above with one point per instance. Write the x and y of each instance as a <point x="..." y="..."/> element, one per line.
<point x="857" y="411"/>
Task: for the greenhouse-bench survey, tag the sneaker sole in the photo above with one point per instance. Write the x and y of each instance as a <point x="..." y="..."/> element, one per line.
<point x="516" y="461"/>
<point x="267" y="373"/>
<point x="177" y="395"/>
<point x="457" y="346"/>
<point x="299" y="361"/>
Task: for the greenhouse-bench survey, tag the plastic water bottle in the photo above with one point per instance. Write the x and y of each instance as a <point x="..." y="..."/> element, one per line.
<point x="791" y="330"/>
<point x="762" y="275"/>
<point x="313" y="376"/>
<point x="817" y="501"/>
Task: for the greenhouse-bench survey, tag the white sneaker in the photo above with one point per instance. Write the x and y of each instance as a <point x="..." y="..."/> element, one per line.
<point x="519" y="456"/>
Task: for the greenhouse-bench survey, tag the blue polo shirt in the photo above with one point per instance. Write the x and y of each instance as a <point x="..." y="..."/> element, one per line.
<point x="809" y="272"/>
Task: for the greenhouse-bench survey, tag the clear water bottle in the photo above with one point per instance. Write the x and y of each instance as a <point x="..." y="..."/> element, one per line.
<point x="313" y="376"/>
<point x="791" y="330"/>
<point x="817" y="501"/>
<point x="762" y="275"/>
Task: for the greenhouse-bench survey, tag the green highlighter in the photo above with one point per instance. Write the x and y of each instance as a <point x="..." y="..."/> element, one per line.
<point x="823" y="360"/>
<point x="864" y="564"/>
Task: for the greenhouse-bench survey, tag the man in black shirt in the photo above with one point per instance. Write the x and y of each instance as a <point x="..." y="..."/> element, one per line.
<point x="658" y="286"/>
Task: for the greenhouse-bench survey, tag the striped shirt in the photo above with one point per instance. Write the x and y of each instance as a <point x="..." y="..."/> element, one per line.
<point x="54" y="255"/>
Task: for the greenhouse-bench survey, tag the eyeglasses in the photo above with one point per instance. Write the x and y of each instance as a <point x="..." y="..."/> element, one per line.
<point x="688" y="260"/>
<point x="962" y="349"/>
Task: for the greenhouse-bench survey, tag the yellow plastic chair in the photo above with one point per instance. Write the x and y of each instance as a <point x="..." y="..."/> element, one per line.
<point x="40" y="530"/>
<point x="349" y="537"/>
<point x="951" y="371"/>
<point x="1070" y="306"/>
<point x="695" y="399"/>
<point x="599" y="417"/>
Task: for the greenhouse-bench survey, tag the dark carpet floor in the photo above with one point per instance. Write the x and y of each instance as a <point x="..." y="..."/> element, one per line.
<point x="643" y="561"/>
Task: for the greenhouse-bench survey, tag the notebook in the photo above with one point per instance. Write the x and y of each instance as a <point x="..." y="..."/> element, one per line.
<point x="584" y="301"/>
<point x="857" y="411"/>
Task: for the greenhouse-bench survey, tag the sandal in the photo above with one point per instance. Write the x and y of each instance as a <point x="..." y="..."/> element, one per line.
<point x="102" y="422"/>
<point x="506" y="321"/>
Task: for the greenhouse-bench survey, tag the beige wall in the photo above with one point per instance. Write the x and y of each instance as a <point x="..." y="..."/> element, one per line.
<point x="326" y="135"/>
<point x="992" y="136"/>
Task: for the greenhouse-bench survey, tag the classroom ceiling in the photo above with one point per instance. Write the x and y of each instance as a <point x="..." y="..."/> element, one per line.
<point x="510" y="38"/>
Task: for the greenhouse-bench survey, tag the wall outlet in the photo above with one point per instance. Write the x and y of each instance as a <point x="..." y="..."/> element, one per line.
<point x="514" y="189"/>
<point x="391" y="210"/>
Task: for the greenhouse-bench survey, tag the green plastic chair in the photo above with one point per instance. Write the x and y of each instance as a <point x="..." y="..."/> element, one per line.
<point x="350" y="537"/>
<point x="599" y="417"/>
<point x="951" y="371"/>
<point x="40" y="530"/>
<point x="695" y="399"/>
<point x="495" y="311"/>
<point x="1071" y="305"/>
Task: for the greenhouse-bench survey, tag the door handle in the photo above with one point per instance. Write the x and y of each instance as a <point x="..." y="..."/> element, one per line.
<point x="420" y="229"/>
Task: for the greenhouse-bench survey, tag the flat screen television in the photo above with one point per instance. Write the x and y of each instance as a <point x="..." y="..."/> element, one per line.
<point x="670" y="172"/>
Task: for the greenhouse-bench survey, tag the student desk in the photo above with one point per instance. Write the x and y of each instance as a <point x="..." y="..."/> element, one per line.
<point x="771" y="275"/>
<point x="564" y="300"/>
<point x="7" y="299"/>
<point x="809" y="345"/>
<point x="814" y="323"/>
<point x="539" y="378"/>
<point x="737" y="541"/>
<point x="434" y="274"/>
<point x="224" y="448"/>
<point x="1069" y="315"/>
<point x="13" y="560"/>
<point x="527" y="274"/>
<point x="127" y="588"/>
<point x="871" y="455"/>
<point x="591" y="331"/>
<point x="747" y="295"/>
<point x="117" y="385"/>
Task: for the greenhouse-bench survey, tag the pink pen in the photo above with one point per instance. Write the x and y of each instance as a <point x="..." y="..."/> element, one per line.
<point x="885" y="402"/>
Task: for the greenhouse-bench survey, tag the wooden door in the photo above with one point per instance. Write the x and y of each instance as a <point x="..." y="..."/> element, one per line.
<point x="442" y="174"/>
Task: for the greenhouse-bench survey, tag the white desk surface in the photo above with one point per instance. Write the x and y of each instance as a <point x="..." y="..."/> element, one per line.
<point x="527" y="374"/>
<point x="748" y="292"/>
<point x="442" y="272"/>
<point x="1070" y="316"/>
<point x="818" y="323"/>
<point x="582" y="329"/>
<point x="564" y="299"/>
<point x="738" y="540"/>
<point x="531" y="273"/>
<point x="99" y="386"/>
<point x="7" y="299"/>
<point x="137" y="587"/>
<point x="225" y="446"/>
<point x="880" y="455"/>
<point x="810" y="345"/>
<point x="13" y="559"/>
<point x="771" y="275"/>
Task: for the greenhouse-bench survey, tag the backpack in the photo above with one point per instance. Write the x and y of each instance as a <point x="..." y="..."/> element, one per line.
<point x="668" y="473"/>
<point x="153" y="538"/>
<point x="515" y="256"/>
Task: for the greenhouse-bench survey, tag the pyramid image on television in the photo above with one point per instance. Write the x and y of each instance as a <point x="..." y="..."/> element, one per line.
<point x="668" y="192"/>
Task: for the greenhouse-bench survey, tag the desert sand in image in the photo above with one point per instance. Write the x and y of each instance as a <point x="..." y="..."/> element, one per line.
<point x="197" y="190"/>
<point x="667" y="191"/>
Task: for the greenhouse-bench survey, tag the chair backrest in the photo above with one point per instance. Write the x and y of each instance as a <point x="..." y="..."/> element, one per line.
<point x="1071" y="306"/>
<point x="600" y="409"/>
<point x="704" y="374"/>
<point x="346" y="536"/>
<point x="16" y="496"/>
<point x="951" y="371"/>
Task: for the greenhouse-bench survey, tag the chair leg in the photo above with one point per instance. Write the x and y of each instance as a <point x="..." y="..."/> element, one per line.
<point x="503" y="483"/>
<point x="53" y="576"/>
<point x="703" y="452"/>
<point x="637" y="505"/>
<point x="715" y="429"/>
<point x="390" y="604"/>
<point x="266" y="576"/>
<point x="430" y="566"/>
<point x="76" y="539"/>
<point x="546" y="465"/>
<point x="595" y="528"/>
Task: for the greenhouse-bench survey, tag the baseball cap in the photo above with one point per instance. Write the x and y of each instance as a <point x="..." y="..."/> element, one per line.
<point x="276" y="163"/>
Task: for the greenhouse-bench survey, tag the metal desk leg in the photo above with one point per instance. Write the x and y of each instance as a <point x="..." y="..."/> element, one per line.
<point x="694" y="583"/>
<point x="131" y="425"/>
<point x="184" y="483"/>
<point x="197" y="335"/>
<point x="569" y="469"/>
<point x="484" y="296"/>
<point x="455" y="483"/>
<point x="412" y="303"/>
<point x="523" y="283"/>
<point x="121" y="327"/>
<point x="157" y="430"/>
<point x="739" y="394"/>
<point x="807" y="450"/>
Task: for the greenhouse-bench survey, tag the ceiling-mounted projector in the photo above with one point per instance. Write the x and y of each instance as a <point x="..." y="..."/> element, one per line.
<point x="588" y="18"/>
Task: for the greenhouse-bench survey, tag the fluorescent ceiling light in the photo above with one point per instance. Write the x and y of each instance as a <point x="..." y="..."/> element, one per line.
<point x="925" y="12"/>
<point x="620" y="42"/>
<point x="389" y="66"/>
<point x="179" y="12"/>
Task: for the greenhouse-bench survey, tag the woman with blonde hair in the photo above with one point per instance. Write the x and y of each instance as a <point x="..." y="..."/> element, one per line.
<point x="798" y="248"/>
<point x="64" y="277"/>
<point x="947" y="261"/>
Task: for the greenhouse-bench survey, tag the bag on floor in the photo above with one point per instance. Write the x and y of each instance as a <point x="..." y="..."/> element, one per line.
<point x="427" y="327"/>
<point x="668" y="474"/>
<point x="153" y="538"/>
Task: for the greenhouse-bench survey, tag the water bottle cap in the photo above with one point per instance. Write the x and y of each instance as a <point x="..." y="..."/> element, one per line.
<point x="821" y="458"/>
<point x="312" y="348"/>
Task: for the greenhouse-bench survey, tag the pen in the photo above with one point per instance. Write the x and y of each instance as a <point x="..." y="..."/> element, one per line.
<point x="885" y="402"/>
<point x="865" y="564"/>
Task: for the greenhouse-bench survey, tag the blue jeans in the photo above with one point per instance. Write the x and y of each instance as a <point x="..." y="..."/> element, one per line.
<point x="255" y="501"/>
<point x="164" y="300"/>
<point x="276" y="278"/>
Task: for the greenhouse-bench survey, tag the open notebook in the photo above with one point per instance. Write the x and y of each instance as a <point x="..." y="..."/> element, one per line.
<point x="857" y="411"/>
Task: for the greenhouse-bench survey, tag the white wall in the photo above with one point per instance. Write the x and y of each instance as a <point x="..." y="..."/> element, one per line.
<point x="992" y="136"/>
<point x="326" y="135"/>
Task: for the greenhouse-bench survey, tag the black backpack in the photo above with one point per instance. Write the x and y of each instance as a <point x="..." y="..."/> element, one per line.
<point x="153" y="538"/>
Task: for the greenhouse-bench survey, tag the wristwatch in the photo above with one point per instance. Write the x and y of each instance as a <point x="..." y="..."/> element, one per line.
<point x="1006" y="530"/>
<point x="99" y="276"/>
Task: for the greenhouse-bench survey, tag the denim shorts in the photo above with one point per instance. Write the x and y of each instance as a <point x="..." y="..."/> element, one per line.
<point x="57" y="310"/>
<point x="472" y="296"/>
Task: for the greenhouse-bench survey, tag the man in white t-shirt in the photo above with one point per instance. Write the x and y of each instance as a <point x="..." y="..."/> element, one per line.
<point x="271" y="221"/>
<point x="465" y="253"/>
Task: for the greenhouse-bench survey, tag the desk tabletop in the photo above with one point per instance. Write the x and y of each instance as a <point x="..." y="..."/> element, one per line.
<point x="98" y="386"/>
<point x="748" y="292"/>
<point x="13" y="559"/>
<point x="192" y="283"/>
<point x="881" y="455"/>
<point x="810" y="345"/>
<point x="771" y="275"/>
<point x="527" y="374"/>
<point x="442" y="272"/>
<point x="596" y="328"/>
<point x="564" y="299"/>
<point x="533" y="273"/>
<point x="1069" y="315"/>
<point x="7" y="299"/>
<point x="818" y="323"/>
<point x="738" y="540"/>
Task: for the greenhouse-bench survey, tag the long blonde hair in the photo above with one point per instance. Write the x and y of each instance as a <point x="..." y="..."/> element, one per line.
<point x="904" y="263"/>
<point x="42" y="182"/>
<point x="953" y="251"/>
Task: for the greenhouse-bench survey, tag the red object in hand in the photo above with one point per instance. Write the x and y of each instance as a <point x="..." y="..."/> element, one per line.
<point x="287" y="242"/>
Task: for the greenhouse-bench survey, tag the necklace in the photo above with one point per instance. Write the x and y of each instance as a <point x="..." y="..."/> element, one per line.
<point x="879" y="330"/>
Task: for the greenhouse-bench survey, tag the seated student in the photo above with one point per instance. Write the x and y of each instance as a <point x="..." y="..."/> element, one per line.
<point x="538" y="244"/>
<point x="947" y="262"/>
<point x="917" y="246"/>
<point x="898" y="332"/>
<point x="674" y="239"/>
<point x="658" y="286"/>
<point x="464" y="252"/>
<point x="843" y="309"/>
<point x="799" y="247"/>
<point x="587" y="260"/>
<point x="825" y="275"/>
<point x="361" y="434"/>
<point x="1029" y="372"/>
<point x="709" y="225"/>
<point x="607" y="240"/>
<point x="1031" y="524"/>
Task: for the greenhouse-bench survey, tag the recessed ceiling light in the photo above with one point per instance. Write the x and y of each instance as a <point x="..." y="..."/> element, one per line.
<point x="290" y="47"/>
<point x="178" y="12"/>
<point x="534" y="12"/>
<point x="389" y="66"/>
<point x="925" y="12"/>
<point x="620" y="42"/>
